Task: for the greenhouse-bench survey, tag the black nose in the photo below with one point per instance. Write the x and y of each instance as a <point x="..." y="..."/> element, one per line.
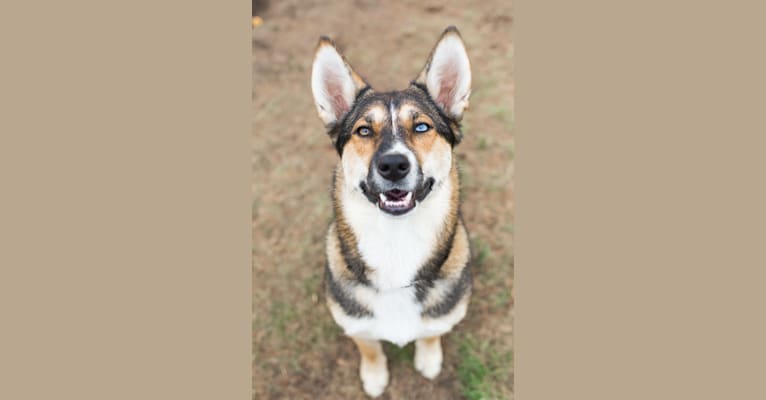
<point x="393" y="166"/>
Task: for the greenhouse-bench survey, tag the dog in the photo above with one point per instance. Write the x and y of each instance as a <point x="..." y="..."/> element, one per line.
<point x="398" y="254"/>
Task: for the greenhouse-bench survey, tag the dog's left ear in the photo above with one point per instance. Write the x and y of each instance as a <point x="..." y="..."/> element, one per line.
<point x="447" y="74"/>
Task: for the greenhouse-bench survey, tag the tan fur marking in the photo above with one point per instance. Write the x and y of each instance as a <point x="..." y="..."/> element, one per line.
<point x="429" y="142"/>
<point x="452" y="224"/>
<point x="459" y="255"/>
<point x="460" y="252"/>
<point x="370" y="350"/>
<point x="335" y="256"/>
<point x="360" y="148"/>
<point x="430" y="341"/>
<point x="460" y="247"/>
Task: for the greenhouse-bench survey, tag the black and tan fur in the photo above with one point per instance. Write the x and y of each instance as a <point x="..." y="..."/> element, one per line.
<point x="394" y="184"/>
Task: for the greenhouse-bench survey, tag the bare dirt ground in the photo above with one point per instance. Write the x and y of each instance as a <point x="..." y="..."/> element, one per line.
<point x="299" y="353"/>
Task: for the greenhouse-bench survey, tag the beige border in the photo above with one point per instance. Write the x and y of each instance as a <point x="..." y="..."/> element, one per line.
<point x="640" y="200"/>
<point x="124" y="219"/>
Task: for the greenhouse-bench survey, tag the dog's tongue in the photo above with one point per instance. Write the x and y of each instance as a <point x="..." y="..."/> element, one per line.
<point x="396" y="194"/>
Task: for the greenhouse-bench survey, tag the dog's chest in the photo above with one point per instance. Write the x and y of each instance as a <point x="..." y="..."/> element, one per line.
<point x="395" y="258"/>
<point x="395" y="249"/>
<point x="394" y="255"/>
<point x="396" y="317"/>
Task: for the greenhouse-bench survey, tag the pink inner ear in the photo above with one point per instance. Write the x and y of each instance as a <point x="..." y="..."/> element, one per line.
<point x="447" y="85"/>
<point x="335" y="93"/>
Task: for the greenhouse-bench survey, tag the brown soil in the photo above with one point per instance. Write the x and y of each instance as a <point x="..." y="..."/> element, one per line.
<point x="298" y="351"/>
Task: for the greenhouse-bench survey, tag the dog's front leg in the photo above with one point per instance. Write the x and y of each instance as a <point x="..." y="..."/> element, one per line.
<point x="428" y="356"/>
<point x="372" y="368"/>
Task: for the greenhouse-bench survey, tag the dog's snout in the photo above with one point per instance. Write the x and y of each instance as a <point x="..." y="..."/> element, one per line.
<point x="393" y="167"/>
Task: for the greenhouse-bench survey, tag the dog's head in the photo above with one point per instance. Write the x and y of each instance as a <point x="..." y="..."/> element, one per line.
<point x="395" y="147"/>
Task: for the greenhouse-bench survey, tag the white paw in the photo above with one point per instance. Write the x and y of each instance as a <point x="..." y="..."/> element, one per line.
<point x="428" y="360"/>
<point x="374" y="377"/>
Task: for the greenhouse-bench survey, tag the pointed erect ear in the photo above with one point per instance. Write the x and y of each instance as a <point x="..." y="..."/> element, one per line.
<point x="447" y="74"/>
<point x="333" y="82"/>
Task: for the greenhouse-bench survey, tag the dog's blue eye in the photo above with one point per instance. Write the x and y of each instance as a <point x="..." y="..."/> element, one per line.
<point x="422" y="127"/>
<point x="363" y="131"/>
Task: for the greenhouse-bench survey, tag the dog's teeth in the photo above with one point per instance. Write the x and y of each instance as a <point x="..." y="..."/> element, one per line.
<point x="395" y="203"/>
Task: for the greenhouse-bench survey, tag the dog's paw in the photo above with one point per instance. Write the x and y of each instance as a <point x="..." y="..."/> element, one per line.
<point x="374" y="376"/>
<point x="428" y="360"/>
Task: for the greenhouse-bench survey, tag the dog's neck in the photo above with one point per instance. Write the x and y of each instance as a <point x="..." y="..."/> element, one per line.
<point x="394" y="248"/>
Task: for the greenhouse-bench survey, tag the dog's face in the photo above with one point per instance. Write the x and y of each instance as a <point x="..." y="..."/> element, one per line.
<point x="395" y="147"/>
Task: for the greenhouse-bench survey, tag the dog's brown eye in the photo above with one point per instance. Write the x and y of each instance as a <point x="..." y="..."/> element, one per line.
<point x="363" y="131"/>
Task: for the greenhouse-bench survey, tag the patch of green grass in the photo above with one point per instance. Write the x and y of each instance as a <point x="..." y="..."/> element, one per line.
<point x="465" y="127"/>
<point x="465" y="174"/>
<point x="281" y="315"/>
<point x="311" y="284"/>
<point x="484" y="88"/>
<point x="400" y="355"/>
<point x="502" y="113"/>
<point x="481" y="251"/>
<point x="329" y="329"/>
<point x="502" y="298"/>
<point x="473" y="375"/>
<point x="482" y="370"/>
<point x="482" y="145"/>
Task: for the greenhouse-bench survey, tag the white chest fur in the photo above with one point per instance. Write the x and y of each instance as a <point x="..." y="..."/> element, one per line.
<point x="396" y="317"/>
<point x="394" y="248"/>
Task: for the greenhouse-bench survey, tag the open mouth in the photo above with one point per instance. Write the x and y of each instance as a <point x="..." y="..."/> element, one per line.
<point x="396" y="201"/>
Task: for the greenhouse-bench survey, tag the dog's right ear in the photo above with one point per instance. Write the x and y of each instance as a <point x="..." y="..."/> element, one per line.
<point x="333" y="82"/>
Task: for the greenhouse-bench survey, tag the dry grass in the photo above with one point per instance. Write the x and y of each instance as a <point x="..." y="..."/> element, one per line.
<point x="299" y="353"/>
